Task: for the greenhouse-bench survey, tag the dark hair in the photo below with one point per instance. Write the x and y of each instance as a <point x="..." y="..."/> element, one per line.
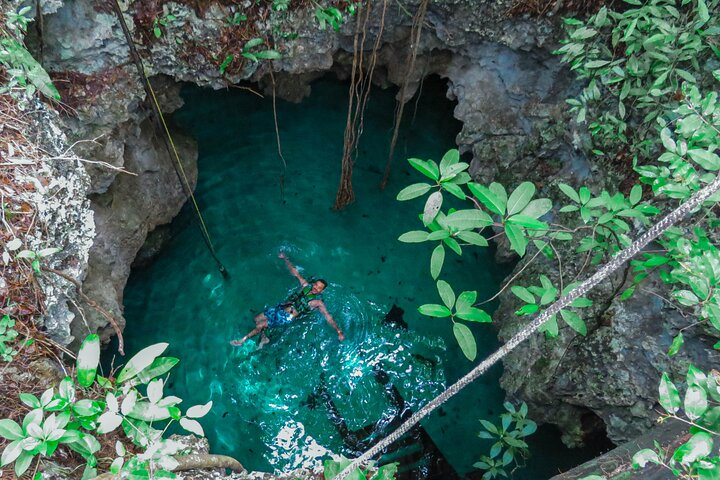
<point x="321" y="281"/>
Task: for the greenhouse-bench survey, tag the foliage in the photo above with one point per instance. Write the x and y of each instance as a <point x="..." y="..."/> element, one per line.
<point x="25" y="75"/>
<point x="333" y="16"/>
<point x="236" y="19"/>
<point x="87" y="405"/>
<point x="258" y="55"/>
<point x="8" y="334"/>
<point x="635" y="62"/>
<point x="333" y="467"/>
<point x="280" y="5"/>
<point x="509" y="448"/>
<point x="694" y="458"/>
<point x="161" y="22"/>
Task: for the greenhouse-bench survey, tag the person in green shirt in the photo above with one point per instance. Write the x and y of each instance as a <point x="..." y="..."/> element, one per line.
<point x="300" y="303"/>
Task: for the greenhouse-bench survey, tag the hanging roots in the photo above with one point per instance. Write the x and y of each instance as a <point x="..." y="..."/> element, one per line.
<point x="409" y="68"/>
<point x="359" y="93"/>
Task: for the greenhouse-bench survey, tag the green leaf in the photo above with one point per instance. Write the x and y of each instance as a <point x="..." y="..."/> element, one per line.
<point x="676" y="344"/>
<point x="30" y="400"/>
<point x="413" y="191"/>
<point x="10" y="430"/>
<point x="454" y="189"/>
<point x="450" y="158"/>
<point x="140" y="361"/>
<point x="516" y="236"/>
<point x="575" y="322"/>
<point x="696" y="402"/>
<point x="415" y="236"/>
<point x="523" y="294"/>
<point x="11" y="452"/>
<point x="669" y="396"/>
<point x="268" y="55"/>
<point x="570" y="192"/>
<point x="635" y="194"/>
<point x="641" y="458"/>
<point x="454" y="245"/>
<point x="520" y="198"/>
<point x="446" y="293"/>
<point x="427" y="168"/>
<point x="537" y="208"/>
<point x="472" y="238"/>
<point x="487" y="197"/>
<point x="432" y="207"/>
<point x="465" y="300"/>
<point x="438" y="235"/>
<point x="699" y="446"/>
<point x="434" y="310"/>
<point x="436" y="261"/>
<point x="22" y="463"/>
<point x="159" y="366"/>
<point x="87" y="360"/>
<point x="254" y="42"/>
<point x="466" y="340"/>
<point x="468" y="219"/>
<point x="475" y="315"/>
<point x="707" y="160"/>
<point x="527" y="222"/>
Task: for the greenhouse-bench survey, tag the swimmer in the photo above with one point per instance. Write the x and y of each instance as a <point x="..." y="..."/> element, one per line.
<point x="299" y="304"/>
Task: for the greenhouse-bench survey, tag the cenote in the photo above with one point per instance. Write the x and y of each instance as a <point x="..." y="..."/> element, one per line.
<point x="307" y="394"/>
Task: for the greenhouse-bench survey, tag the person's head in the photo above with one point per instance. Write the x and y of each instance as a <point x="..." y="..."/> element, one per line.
<point x="318" y="286"/>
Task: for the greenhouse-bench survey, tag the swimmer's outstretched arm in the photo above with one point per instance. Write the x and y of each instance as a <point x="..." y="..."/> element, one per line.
<point x="320" y="305"/>
<point x="293" y="270"/>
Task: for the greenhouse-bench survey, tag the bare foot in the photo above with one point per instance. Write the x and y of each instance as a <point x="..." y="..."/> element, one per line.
<point x="263" y="341"/>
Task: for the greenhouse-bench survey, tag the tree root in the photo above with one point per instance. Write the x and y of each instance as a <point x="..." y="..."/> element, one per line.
<point x="193" y="461"/>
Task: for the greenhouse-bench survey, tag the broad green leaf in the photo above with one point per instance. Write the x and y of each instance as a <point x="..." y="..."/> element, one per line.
<point x="30" y="400"/>
<point x="386" y="472"/>
<point x="438" y="235"/>
<point x="432" y="207"/>
<point x="87" y="360"/>
<point x="465" y="300"/>
<point x="695" y="402"/>
<point x="641" y="458"/>
<point x="268" y="55"/>
<point x="199" y="411"/>
<point x="669" y="396"/>
<point x="446" y="293"/>
<point x="707" y="160"/>
<point x="466" y="340"/>
<point x="570" y="192"/>
<point x="487" y="197"/>
<point x="140" y="361"/>
<point x="468" y="219"/>
<point x="699" y="446"/>
<point x="451" y="157"/>
<point x="159" y="366"/>
<point x="454" y="245"/>
<point x="11" y="452"/>
<point x="475" y="315"/>
<point x="22" y="463"/>
<point x="537" y="208"/>
<point x="527" y="222"/>
<point x="676" y="344"/>
<point x="434" y="310"/>
<point x="192" y="426"/>
<point x="635" y="194"/>
<point x="520" y="198"/>
<point x="523" y="294"/>
<point x="107" y="422"/>
<point x="472" y="238"/>
<point x="436" y="261"/>
<point x="413" y="191"/>
<point x="454" y="189"/>
<point x="148" y="412"/>
<point x="416" y="236"/>
<point x="10" y="430"/>
<point x="516" y="236"/>
<point x="427" y="168"/>
<point x="575" y="322"/>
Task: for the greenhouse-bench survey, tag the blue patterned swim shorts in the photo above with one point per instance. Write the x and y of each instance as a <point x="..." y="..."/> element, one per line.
<point x="277" y="316"/>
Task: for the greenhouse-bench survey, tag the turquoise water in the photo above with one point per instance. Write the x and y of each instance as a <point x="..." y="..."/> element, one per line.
<point x="267" y="409"/>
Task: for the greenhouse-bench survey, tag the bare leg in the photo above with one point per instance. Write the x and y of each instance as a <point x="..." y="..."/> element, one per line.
<point x="260" y="326"/>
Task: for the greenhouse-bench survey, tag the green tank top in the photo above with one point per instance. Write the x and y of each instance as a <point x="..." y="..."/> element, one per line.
<point x="301" y="299"/>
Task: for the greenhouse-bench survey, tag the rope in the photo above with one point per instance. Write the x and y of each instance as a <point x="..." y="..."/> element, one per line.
<point x="603" y="272"/>
<point x="160" y="123"/>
